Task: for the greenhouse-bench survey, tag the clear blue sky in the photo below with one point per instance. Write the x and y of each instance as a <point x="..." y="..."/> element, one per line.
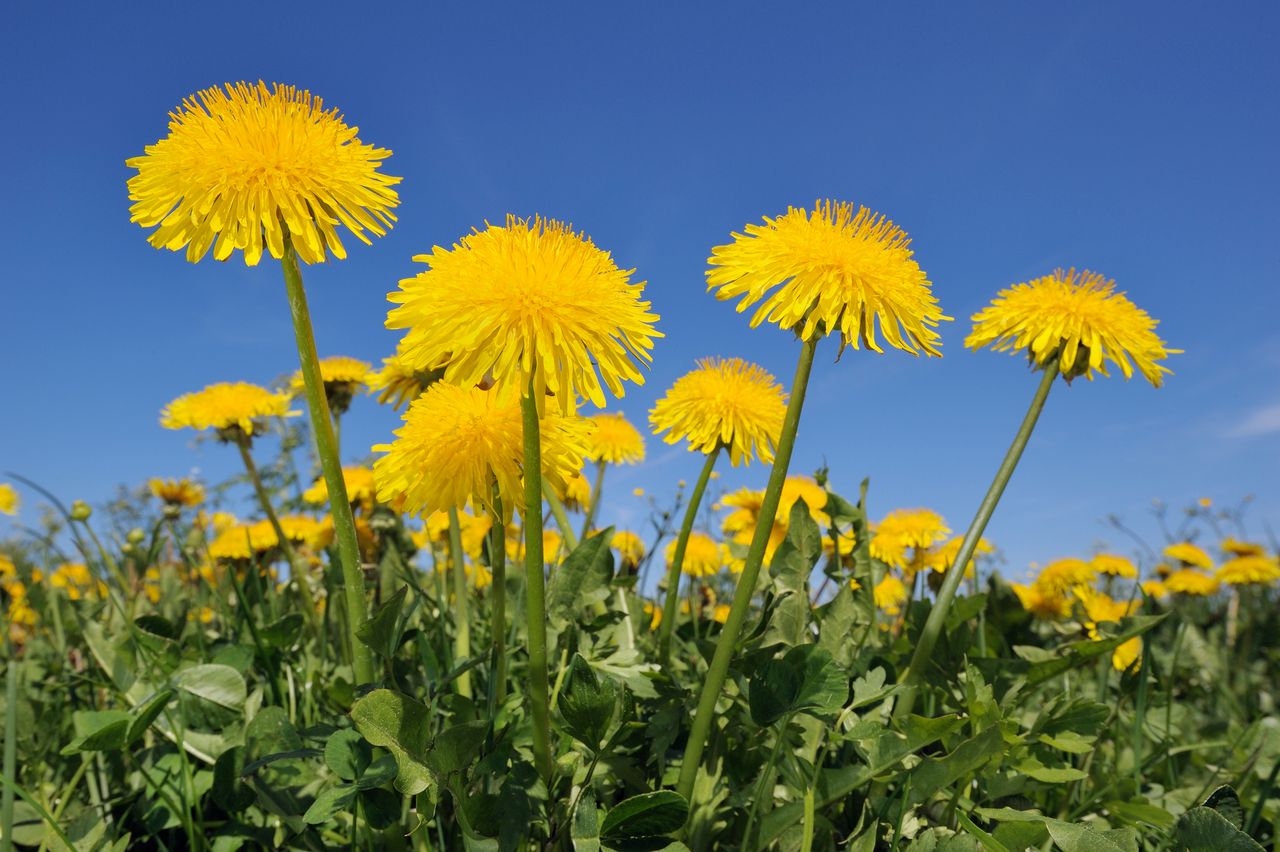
<point x="1136" y="139"/>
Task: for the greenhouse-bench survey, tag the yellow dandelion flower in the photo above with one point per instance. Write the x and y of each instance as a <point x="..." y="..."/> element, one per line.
<point x="655" y="615"/>
<point x="75" y="580"/>
<point x="177" y="492"/>
<point x="854" y="585"/>
<point x="250" y="166"/>
<point x="940" y="559"/>
<point x="1079" y="315"/>
<point x="1128" y="655"/>
<point x="200" y="615"/>
<point x="226" y="407"/>
<point x="890" y="594"/>
<point x="531" y="301"/>
<point x="551" y="542"/>
<point x="1063" y="575"/>
<point x="359" y="482"/>
<point x="720" y="613"/>
<point x="795" y="488"/>
<point x="1099" y="608"/>
<point x="702" y="556"/>
<point x="839" y="268"/>
<point x="1188" y="581"/>
<point x="223" y="521"/>
<point x="637" y="492"/>
<point x="901" y="529"/>
<point x="1154" y="589"/>
<point x="630" y="548"/>
<point x="457" y="441"/>
<point x="398" y="382"/>
<point x="1189" y="554"/>
<point x="1235" y="547"/>
<point x="1114" y="565"/>
<point x="336" y="370"/>
<point x="724" y="402"/>
<point x="846" y="541"/>
<point x="1249" y="570"/>
<point x="1042" y="601"/>
<point x="614" y="440"/>
<point x="9" y="500"/>
<point x="242" y="541"/>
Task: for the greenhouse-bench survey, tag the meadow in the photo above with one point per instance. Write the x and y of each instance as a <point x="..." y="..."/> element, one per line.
<point x="433" y="644"/>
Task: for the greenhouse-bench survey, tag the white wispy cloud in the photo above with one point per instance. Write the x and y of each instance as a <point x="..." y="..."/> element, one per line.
<point x="1262" y="421"/>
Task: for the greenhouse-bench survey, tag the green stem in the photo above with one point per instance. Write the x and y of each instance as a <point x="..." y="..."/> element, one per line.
<point x="668" y="625"/>
<point x="728" y="638"/>
<point x="297" y="571"/>
<point x="10" y="745"/>
<point x="461" y="606"/>
<point x="594" y="505"/>
<point x="498" y="604"/>
<point x="763" y="783"/>
<point x="344" y="523"/>
<point x="535" y="589"/>
<point x="569" y="540"/>
<point x="923" y="655"/>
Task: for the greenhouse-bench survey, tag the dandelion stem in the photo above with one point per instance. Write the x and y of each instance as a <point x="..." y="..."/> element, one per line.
<point x="570" y="541"/>
<point x="10" y="743"/>
<point x="668" y="624"/>
<point x="344" y="523"/>
<point x="937" y="619"/>
<point x="461" y="607"/>
<point x="498" y="605"/>
<point x="535" y="589"/>
<point x="594" y="504"/>
<point x="728" y="639"/>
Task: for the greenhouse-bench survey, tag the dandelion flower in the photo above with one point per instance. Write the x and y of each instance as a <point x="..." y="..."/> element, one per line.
<point x="528" y="302"/>
<point x="839" y="268"/>
<point x="359" y="482"/>
<point x="1188" y="581"/>
<point x="1189" y="554"/>
<point x="1042" y="601"/>
<point x="724" y="402"/>
<point x="234" y="409"/>
<point x="456" y="442"/>
<point x="940" y="559"/>
<point x="9" y="500"/>
<point x="1231" y="546"/>
<point x="702" y="556"/>
<point x="890" y="594"/>
<point x="1249" y="570"/>
<point x="630" y="548"/>
<point x="343" y="378"/>
<point x="1063" y="575"/>
<point x="249" y="166"/>
<point x="1099" y="607"/>
<point x="398" y="382"/>
<point x="1114" y="565"/>
<point x="902" y="529"/>
<point x="614" y="440"/>
<point x="577" y="492"/>
<point x="1128" y="655"/>
<point x="177" y="492"/>
<point x="1079" y="315"/>
<point x="1155" y="589"/>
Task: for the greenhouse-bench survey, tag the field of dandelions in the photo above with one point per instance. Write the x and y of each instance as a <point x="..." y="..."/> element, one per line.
<point x="444" y="650"/>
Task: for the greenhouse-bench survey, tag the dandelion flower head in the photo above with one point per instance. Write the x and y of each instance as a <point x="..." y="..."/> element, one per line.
<point x="226" y="407"/>
<point x="1249" y="570"/>
<point x="724" y="402"/>
<point x="614" y="440"/>
<point x="702" y="555"/>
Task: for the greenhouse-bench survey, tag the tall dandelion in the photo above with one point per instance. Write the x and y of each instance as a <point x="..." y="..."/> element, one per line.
<point x="835" y="270"/>
<point x="613" y="441"/>
<point x="537" y="310"/>
<point x="724" y="404"/>
<point x="254" y="168"/>
<point x="1067" y="324"/>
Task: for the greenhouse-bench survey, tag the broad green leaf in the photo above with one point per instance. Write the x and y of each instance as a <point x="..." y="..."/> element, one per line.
<point x="1203" y="829"/>
<point x="1225" y="801"/>
<point x="1080" y="653"/>
<point x="583" y="578"/>
<point x="585" y="832"/>
<point x="330" y="802"/>
<point x="99" y="730"/>
<point x="146" y="713"/>
<point x="347" y="754"/>
<point x="381" y="632"/>
<point x="456" y="748"/>
<point x="401" y="725"/>
<point x="381" y="807"/>
<point x="228" y="791"/>
<point x="1033" y="768"/>
<point x="1068" y="836"/>
<point x="218" y="685"/>
<point x="789" y="571"/>
<point x="587" y="703"/>
<point x="646" y="815"/>
<point x="806" y="678"/>
<point x="933" y="774"/>
<point x="283" y="633"/>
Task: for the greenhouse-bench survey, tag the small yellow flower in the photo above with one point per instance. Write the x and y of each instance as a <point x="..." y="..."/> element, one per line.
<point x="1099" y="608"/>
<point x="1079" y="315"/>
<point x="1189" y="554"/>
<point x="76" y="581"/>
<point x="614" y="440"/>
<point x="200" y="615"/>
<point x="1063" y="575"/>
<point x="177" y="492"/>
<point x="551" y="542"/>
<point x="398" y="382"/>
<point x="941" y="558"/>
<point x="1235" y="547"/>
<point x="226" y="407"/>
<point x="1188" y="581"/>
<point x="724" y="402"/>
<point x="9" y="500"/>
<point x="456" y="442"/>
<point x="702" y="556"/>
<point x="528" y="302"/>
<point x="655" y="615"/>
<point x="1114" y="565"/>
<point x="1154" y="589"/>
<point x="359" y="482"/>
<point x="720" y="613"/>
<point x="891" y="594"/>
<point x="838" y="269"/>
<point x="630" y="548"/>
<point x="1249" y="570"/>
<point x="1042" y="601"/>
<point x="903" y="529"/>
<point x="637" y="492"/>
<point x="577" y="492"/>
<point x="343" y="378"/>
<point x="1128" y="655"/>
<point x="252" y="165"/>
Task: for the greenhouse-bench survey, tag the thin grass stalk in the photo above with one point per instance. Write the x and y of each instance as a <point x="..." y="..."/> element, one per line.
<point x="937" y="619"/>
<point x="344" y="523"/>
<point x="667" y="626"/>
<point x="593" y="505"/>
<point x="728" y="639"/>
<point x="498" y="604"/>
<point x="461" y="604"/>
<point x="535" y="588"/>
<point x="568" y="540"/>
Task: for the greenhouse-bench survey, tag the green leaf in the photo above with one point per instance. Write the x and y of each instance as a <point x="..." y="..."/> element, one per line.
<point x="283" y="633"/>
<point x="401" y="725"/>
<point x="456" y="748"/>
<point x="806" y="678"/>
<point x="228" y="791"/>
<point x="1068" y="836"/>
<point x="1203" y="829"/>
<point x="1225" y="801"/>
<point x="933" y="774"/>
<point x="789" y="569"/>
<point x="381" y="808"/>
<point x="585" y="832"/>
<point x="583" y="578"/>
<point x="1080" y="653"/>
<point x="1033" y="768"/>
<point x="98" y="730"/>
<point x="146" y="713"/>
<point x="330" y="802"/>
<point x="347" y="754"/>
<point x="215" y="686"/>
<point x="587" y="703"/>
<point x="646" y="815"/>
<point x="381" y="632"/>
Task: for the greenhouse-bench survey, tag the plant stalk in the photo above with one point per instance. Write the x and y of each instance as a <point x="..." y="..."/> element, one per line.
<point x="933" y="626"/>
<point x="498" y="604"/>
<point x="594" y="505"/>
<point x="461" y="604"/>
<point x="668" y="625"/>
<point x="535" y="589"/>
<point x="344" y="523"/>
<point x="728" y="639"/>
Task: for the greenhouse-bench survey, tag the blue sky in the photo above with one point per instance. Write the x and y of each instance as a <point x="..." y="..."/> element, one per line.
<point x="1007" y="138"/>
